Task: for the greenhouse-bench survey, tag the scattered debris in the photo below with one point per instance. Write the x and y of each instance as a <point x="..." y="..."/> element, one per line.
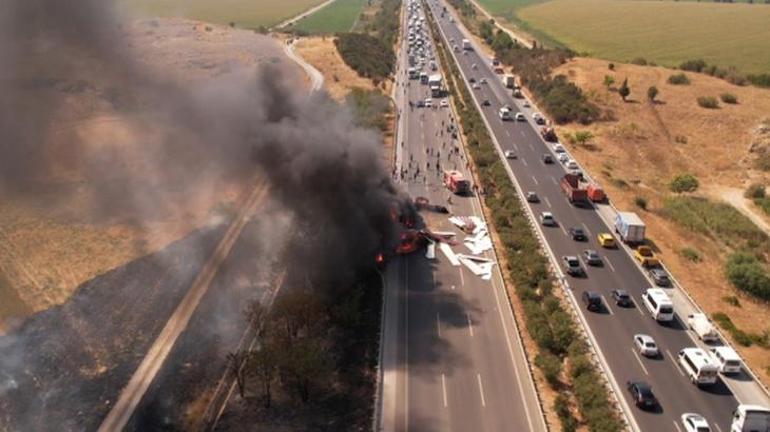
<point x="479" y="266"/>
<point x="479" y="243"/>
<point x="430" y="253"/>
<point x="450" y="255"/>
<point x="423" y="203"/>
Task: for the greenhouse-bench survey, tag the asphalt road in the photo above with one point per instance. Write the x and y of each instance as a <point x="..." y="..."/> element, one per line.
<point x="613" y="328"/>
<point x="452" y="358"/>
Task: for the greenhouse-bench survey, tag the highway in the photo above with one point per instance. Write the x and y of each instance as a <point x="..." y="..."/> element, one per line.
<point x="613" y="328"/>
<point x="452" y="359"/>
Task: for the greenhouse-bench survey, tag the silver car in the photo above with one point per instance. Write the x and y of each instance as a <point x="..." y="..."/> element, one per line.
<point x="646" y="345"/>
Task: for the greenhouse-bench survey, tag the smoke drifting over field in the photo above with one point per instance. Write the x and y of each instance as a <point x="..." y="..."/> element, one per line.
<point x="321" y="168"/>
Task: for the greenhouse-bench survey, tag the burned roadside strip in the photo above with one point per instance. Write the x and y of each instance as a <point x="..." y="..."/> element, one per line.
<point x="62" y="368"/>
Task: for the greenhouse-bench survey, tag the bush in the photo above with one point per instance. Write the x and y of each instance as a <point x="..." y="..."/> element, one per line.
<point x="550" y="365"/>
<point x="640" y="61"/>
<point x="690" y="254"/>
<point x="709" y="102"/>
<point x="684" y="183"/>
<point x="369" y="56"/>
<point x="732" y="300"/>
<point x="641" y="202"/>
<point x="693" y="65"/>
<point x="755" y="190"/>
<point x="652" y="93"/>
<point x="763" y="203"/>
<point x="761" y="80"/>
<point x="679" y="79"/>
<point x="762" y="162"/>
<point x="748" y="274"/>
<point x="729" y="98"/>
<point x="561" y="405"/>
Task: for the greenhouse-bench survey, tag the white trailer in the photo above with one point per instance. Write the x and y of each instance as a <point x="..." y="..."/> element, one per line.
<point x="630" y="227"/>
<point x="700" y="324"/>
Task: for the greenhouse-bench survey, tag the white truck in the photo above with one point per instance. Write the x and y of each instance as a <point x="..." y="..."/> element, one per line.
<point x="630" y="227"/>
<point x="700" y="324"/>
<point x="509" y="80"/>
<point x="506" y="114"/>
<point x="751" y="418"/>
<point x="467" y="45"/>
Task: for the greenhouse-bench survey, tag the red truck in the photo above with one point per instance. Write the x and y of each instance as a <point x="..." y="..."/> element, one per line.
<point x="455" y="182"/>
<point x="570" y="184"/>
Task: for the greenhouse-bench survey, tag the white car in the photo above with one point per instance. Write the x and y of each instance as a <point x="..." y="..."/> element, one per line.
<point x="695" y="423"/>
<point x="444" y="103"/>
<point x="536" y="116"/>
<point x="473" y="66"/>
<point x="428" y="102"/>
<point x="646" y="345"/>
<point x="563" y="157"/>
<point x="546" y="218"/>
<point x="483" y="81"/>
<point x="509" y="154"/>
<point x="526" y="104"/>
<point x="520" y="117"/>
<point x="558" y="148"/>
<point x="476" y="86"/>
<point x="571" y="164"/>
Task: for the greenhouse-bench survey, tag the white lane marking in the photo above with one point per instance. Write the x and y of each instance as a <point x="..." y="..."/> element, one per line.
<point x="638" y="306"/>
<point x="438" y="324"/>
<point x="524" y="161"/>
<point x="453" y="287"/>
<point x="606" y="303"/>
<point x="481" y="390"/>
<point x="633" y="351"/>
<point x="524" y="135"/>
<point x="676" y="364"/>
<point x="612" y="267"/>
<point x="548" y="203"/>
<point x="677" y="426"/>
<point x="587" y="230"/>
<point x="462" y="279"/>
<point x="515" y="147"/>
<point x="470" y="324"/>
<point x="508" y="134"/>
<point x="534" y="180"/>
<point x="530" y="144"/>
<point x="553" y="179"/>
<point x="562" y="229"/>
<point x="443" y="388"/>
<point x="718" y="428"/>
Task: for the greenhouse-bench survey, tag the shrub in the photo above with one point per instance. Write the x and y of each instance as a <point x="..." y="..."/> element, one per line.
<point x="561" y="405"/>
<point x="684" y="183"/>
<point x="732" y="300"/>
<point x="690" y="254"/>
<point x="679" y="79"/>
<point x="763" y="203"/>
<point x="748" y="274"/>
<point x="709" y="102"/>
<point x="755" y="190"/>
<point x="693" y="65"/>
<point x="624" y="91"/>
<point x="729" y="98"/>
<point x="640" y="61"/>
<point x="641" y="202"/>
<point x="762" y="162"/>
<point x="369" y="56"/>
<point x="611" y="66"/>
<point x="550" y="365"/>
<point x="761" y="80"/>
<point x="652" y="93"/>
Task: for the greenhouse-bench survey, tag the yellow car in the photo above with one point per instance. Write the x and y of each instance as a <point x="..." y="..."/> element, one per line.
<point x="606" y="240"/>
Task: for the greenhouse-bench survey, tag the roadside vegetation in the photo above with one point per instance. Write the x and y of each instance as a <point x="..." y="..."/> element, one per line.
<point x="748" y="246"/>
<point x="562" y="355"/>
<point x="372" y="53"/>
<point x="562" y="100"/>
<point x="340" y="16"/>
<point x="370" y="108"/>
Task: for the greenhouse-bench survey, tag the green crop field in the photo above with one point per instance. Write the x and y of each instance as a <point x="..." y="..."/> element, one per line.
<point x="244" y="13"/>
<point x="664" y="32"/>
<point x="339" y="16"/>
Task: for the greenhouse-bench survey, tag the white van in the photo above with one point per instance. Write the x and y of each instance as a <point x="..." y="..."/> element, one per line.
<point x="726" y="359"/>
<point x="751" y="418"/>
<point x="698" y="366"/>
<point x="659" y="305"/>
<point x="700" y="324"/>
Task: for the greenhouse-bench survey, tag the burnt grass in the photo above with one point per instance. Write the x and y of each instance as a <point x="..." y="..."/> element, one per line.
<point x="63" y="367"/>
<point x="345" y="403"/>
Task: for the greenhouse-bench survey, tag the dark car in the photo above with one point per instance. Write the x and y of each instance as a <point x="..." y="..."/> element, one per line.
<point x="577" y="234"/>
<point x="532" y="197"/>
<point x="591" y="257"/>
<point x="592" y="300"/>
<point x="572" y="265"/>
<point x="485" y="102"/>
<point x="472" y="80"/>
<point x="642" y="394"/>
<point x="622" y="298"/>
<point x="547" y="159"/>
<point x="660" y="277"/>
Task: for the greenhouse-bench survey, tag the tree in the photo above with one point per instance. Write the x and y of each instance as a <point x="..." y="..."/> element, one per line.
<point x="684" y="183"/>
<point x="652" y="92"/>
<point x="583" y="137"/>
<point x="305" y="363"/>
<point x="624" y="90"/>
<point x="263" y="363"/>
<point x="608" y="81"/>
<point x="235" y="363"/>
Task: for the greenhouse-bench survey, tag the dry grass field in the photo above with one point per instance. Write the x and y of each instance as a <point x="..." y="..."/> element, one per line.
<point x="642" y="146"/>
<point x="665" y="32"/>
<point x="339" y="78"/>
<point x="243" y="13"/>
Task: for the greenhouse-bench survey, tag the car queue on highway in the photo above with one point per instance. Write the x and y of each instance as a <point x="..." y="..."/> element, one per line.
<point x="640" y="334"/>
